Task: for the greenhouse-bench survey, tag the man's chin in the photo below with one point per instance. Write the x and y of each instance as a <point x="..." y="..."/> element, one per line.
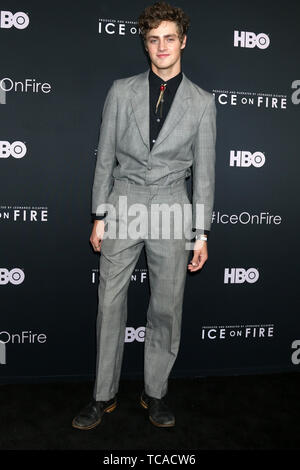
<point x="163" y="65"/>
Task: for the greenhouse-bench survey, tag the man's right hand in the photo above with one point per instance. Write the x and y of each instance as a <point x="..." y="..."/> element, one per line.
<point x="97" y="234"/>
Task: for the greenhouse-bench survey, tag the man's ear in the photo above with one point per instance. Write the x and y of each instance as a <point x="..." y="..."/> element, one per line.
<point x="183" y="42"/>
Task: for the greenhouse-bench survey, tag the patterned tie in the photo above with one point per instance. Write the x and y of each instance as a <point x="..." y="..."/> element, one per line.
<point x="160" y="98"/>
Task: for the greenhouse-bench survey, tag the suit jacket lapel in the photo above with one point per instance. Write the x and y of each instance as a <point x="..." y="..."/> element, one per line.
<point x="140" y="105"/>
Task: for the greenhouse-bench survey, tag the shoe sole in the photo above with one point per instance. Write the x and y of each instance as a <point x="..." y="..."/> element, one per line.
<point x="144" y="405"/>
<point x="109" y="409"/>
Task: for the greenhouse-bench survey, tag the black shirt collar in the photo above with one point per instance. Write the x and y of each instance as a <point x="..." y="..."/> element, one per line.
<point x="172" y="84"/>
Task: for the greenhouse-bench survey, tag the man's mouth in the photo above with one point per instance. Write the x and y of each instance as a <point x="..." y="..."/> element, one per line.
<point x="162" y="55"/>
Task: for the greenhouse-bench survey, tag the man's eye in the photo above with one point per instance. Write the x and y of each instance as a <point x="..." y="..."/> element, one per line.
<point x="155" y="40"/>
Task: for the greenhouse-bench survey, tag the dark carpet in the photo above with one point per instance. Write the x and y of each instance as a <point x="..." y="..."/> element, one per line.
<point x="238" y="412"/>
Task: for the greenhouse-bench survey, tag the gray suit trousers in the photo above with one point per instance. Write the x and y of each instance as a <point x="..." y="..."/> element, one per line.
<point x="167" y="258"/>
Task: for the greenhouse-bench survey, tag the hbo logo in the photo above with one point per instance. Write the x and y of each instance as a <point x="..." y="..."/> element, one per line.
<point x="245" y="158"/>
<point x="17" y="149"/>
<point x="240" y="275"/>
<point x="19" y="20"/>
<point x="14" y="276"/>
<point x="135" y="334"/>
<point x="248" y="39"/>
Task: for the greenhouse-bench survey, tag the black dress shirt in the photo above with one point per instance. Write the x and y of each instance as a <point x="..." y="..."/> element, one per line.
<point x="156" y="121"/>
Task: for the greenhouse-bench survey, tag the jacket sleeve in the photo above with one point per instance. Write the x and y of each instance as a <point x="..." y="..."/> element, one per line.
<point x="106" y="158"/>
<point x="204" y="156"/>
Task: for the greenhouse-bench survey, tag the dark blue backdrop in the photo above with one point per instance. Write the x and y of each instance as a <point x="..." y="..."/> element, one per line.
<point x="241" y="313"/>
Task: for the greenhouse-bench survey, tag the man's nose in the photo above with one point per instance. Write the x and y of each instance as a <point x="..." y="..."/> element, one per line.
<point x="161" y="45"/>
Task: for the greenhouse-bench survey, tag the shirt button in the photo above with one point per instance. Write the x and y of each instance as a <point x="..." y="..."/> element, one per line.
<point x="149" y="167"/>
<point x="153" y="140"/>
<point x="158" y="120"/>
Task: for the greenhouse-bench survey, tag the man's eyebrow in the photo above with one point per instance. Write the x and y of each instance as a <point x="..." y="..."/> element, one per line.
<point x="165" y="36"/>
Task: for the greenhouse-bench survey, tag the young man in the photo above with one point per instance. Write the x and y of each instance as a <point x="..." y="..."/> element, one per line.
<point x="156" y="126"/>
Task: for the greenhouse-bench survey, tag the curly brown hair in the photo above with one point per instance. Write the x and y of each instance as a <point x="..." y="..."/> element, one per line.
<point x="154" y="14"/>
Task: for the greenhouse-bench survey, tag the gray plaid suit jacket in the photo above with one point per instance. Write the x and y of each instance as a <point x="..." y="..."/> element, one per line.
<point x="186" y="141"/>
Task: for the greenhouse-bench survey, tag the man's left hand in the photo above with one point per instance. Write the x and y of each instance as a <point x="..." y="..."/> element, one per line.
<point x="200" y="256"/>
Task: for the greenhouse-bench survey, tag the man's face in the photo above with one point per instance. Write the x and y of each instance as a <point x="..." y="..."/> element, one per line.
<point x="164" y="46"/>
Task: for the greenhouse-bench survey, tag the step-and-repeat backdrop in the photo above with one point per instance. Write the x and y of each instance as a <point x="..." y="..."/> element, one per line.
<point x="58" y="60"/>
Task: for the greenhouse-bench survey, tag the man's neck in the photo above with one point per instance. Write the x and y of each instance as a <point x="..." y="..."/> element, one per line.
<point x="166" y="74"/>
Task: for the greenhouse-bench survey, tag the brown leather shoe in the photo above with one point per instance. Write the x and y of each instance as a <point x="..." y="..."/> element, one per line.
<point x="90" y="416"/>
<point x="159" y="413"/>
